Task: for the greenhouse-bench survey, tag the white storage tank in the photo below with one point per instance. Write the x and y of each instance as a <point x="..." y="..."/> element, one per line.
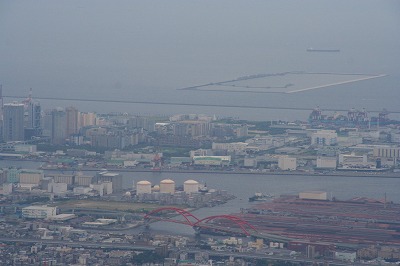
<point x="190" y="186"/>
<point x="167" y="186"/>
<point x="143" y="187"/>
<point x="156" y="188"/>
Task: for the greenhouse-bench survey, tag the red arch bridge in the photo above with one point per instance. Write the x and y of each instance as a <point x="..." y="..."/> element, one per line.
<point x="214" y="224"/>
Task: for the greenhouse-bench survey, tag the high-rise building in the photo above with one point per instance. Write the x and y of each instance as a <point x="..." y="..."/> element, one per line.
<point x="33" y="120"/>
<point x="58" y="126"/>
<point x="87" y="119"/>
<point x="72" y="120"/>
<point x="47" y="123"/>
<point x="13" y="123"/>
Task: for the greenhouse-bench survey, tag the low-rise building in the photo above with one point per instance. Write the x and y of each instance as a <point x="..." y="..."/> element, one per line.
<point x="326" y="162"/>
<point x="287" y="163"/>
<point x="57" y="188"/>
<point x="212" y="160"/>
<point x="39" y="212"/>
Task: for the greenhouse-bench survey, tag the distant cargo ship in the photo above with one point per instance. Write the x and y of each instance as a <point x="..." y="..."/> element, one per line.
<point x="323" y="50"/>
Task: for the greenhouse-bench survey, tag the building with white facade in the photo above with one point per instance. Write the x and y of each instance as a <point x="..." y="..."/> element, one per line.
<point x="57" y="188"/>
<point x="287" y="163"/>
<point x="103" y="188"/>
<point x="39" y="212"/>
<point x="353" y="160"/>
<point x="324" y="137"/>
<point x="326" y="162"/>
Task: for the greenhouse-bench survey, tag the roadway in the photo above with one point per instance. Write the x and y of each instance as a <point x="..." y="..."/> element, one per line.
<point x="79" y="244"/>
<point x="128" y="246"/>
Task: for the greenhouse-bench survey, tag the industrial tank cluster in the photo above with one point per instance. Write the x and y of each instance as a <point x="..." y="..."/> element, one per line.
<point x="166" y="186"/>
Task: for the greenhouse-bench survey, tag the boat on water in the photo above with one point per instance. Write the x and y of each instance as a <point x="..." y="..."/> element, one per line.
<point x="260" y="197"/>
<point x="323" y="50"/>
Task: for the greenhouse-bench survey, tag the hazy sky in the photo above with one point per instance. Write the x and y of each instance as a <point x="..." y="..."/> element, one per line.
<point x="146" y="49"/>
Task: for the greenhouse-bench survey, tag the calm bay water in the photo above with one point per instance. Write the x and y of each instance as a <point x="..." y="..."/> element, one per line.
<point x="144" y="50"/>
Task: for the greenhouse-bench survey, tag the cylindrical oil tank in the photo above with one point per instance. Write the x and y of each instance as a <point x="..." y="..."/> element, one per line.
<point x="156" y="188"/>
<point x="167" y="186"/>
<point x="143" y="187"/>
<point x="190" y="186"/>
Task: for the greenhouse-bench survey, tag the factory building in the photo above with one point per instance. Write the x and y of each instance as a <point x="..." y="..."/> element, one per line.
<point x="115" y="178"/>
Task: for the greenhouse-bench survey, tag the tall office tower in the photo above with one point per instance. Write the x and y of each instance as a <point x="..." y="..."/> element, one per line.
<point x="33" y="120"/>
<point x="13" y="123"/>
<point x="72" y="121"/>
<point x="47" y="123"/>
<point x="58" y="126"/>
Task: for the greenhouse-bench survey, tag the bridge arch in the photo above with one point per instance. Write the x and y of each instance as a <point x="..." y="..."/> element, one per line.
<point x="244" y="226"/>
<point x="190" y="219"/>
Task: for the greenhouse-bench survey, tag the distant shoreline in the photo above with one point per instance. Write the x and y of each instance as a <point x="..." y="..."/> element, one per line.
<point x="293" y="173"/>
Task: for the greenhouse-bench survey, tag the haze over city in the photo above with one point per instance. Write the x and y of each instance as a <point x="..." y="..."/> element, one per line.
<point x="145" y="51"/>
<point x="199" y="132"/>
